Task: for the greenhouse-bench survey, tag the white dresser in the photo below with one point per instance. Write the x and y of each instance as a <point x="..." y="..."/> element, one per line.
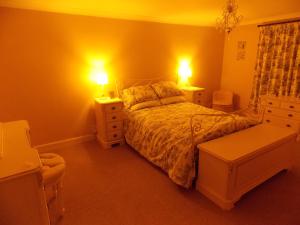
<point x="22" y="199"/>
<point x="281" y="111"/>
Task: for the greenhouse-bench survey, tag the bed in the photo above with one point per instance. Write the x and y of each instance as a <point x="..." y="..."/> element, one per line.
<point x="163" y="135"/>
<point x="166" y="129"/>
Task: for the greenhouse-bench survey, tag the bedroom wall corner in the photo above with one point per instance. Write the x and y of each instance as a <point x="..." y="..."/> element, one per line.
<point x="238" y="63"/>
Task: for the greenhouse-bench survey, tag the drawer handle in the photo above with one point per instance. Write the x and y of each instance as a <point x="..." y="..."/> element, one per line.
<point x="290" y="115"/>
<point x="288" y="125"/>
<point x="268" y="121"/>
<point x="270" y="103"/>
<point x="114" y="126"/>
<point x="115" y="135"/>
<point x="291" y="106"/>
<point x="113" y="108"/>
<point x="199" y="94"/>
<point x="269" y="111"/>
<point x="114" y="117"/>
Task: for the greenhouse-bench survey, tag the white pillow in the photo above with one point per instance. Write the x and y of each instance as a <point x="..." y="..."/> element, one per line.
<point x="146" y="104"/>
<point x="171" y="100"/>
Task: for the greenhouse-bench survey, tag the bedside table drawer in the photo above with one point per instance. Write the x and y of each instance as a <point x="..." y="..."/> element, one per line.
<point x="113" y="136"/>
<point x="117" y="116"/>
<point x="113" y="107"/>
<point x="198" y="94"/>
<point x="198" y="100"/>
<point x="114" y="126"/>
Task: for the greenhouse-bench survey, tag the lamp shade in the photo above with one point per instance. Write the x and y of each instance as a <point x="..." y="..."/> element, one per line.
<point x="184" y="71"/>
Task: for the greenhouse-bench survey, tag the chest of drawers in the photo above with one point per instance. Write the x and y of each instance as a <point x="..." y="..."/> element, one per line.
<point x="109" y="122"/>
<point x="281" y="111"/>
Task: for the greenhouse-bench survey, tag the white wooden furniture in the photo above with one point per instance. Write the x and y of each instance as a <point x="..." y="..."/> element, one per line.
<point x="53" y="172"/>
<point x="232" y="165"/>
<point x="281" y="111"/>
<point x="194" y="94"/>
<point x="22" y="199"/>
<point x="109" y="121"/>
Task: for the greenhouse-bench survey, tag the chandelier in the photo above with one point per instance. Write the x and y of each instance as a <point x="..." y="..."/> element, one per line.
<point x="229" y="19"/>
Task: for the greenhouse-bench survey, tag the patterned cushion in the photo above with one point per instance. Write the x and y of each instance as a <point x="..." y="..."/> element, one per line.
<point x="138" y="94"/>
<point x="166" y="89"/>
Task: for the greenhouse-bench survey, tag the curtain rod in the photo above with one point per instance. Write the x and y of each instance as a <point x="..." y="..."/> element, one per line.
<point x="279" y="22"/>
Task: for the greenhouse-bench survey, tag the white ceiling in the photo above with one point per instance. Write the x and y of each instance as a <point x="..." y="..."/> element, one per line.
<point x="190" y="12"/>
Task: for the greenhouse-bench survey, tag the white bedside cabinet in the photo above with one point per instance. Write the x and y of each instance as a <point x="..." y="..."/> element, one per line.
<point x="194" y="94"/>
<point x="109" y="122"/>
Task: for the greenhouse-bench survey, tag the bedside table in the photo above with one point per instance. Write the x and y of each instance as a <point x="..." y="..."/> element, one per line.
<point x="109" y="122"/>
<point x="194" y="94"/>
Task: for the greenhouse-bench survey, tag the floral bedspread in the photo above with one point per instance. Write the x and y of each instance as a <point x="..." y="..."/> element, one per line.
<point x="164" y="136"/>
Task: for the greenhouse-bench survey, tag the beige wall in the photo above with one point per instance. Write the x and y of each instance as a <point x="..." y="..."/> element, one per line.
<point x="237" y="75"/>
<point x="46" y="58"/>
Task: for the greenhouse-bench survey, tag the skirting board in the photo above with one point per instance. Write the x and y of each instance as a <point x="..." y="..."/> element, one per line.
<point x="64" y="143"/>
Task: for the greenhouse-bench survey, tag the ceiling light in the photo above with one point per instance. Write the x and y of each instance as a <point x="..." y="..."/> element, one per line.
<point x="230" y="18"/>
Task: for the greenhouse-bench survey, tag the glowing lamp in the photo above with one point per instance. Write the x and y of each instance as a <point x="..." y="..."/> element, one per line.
<point x="184" y="72"/>
<point x="100" y="77"/>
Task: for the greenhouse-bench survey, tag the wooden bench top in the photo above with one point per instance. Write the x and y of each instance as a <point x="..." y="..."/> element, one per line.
<point x="244" y="143"/>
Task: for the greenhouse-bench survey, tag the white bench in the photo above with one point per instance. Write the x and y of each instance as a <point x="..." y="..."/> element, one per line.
<point x="232" y="165"/>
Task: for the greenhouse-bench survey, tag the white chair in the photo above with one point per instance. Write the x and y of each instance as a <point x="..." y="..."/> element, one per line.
<point x="52" y="172"/>
<point x="223" y="100"/>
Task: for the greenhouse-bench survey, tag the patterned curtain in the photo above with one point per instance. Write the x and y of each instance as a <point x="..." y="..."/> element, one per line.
<point x="277" y="69"/>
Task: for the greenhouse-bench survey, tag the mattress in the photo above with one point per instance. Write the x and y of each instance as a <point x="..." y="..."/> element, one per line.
<point x="167" y="135"/>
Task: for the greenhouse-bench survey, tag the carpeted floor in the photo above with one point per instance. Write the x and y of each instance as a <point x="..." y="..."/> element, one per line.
<point x="119" y="187"/>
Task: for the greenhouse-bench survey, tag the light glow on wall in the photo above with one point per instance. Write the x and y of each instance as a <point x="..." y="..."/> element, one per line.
<point x="98" y="73"/>
<point x="99" y="76"/>
<point x="184" y="72"/>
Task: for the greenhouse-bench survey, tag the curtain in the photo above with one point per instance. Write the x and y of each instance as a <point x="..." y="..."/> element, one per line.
<point x="277" y="68"/>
